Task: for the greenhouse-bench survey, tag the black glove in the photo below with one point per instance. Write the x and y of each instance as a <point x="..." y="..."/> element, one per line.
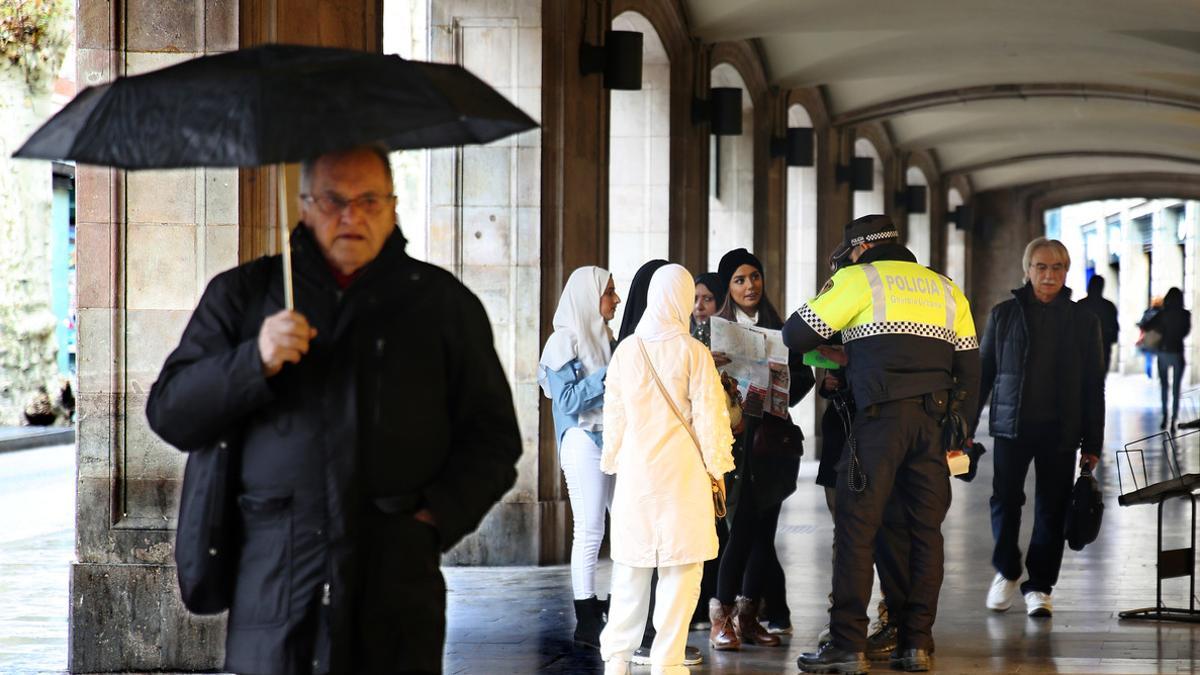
<point x="974" y="453"/>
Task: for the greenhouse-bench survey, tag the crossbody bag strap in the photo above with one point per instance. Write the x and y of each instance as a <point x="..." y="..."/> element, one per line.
<point x="670" y="401"/>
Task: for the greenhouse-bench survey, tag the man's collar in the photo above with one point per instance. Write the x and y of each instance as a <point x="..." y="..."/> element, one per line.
<point x="888" y="251"/>
<point x="1026" y="295"/>
<point x="305" y="248"/>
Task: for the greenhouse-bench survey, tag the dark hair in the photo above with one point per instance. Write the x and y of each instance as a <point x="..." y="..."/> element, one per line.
<point x="1095" y="285"/>
<point x="712" y="281"/>
<point x="1173" y="298"/>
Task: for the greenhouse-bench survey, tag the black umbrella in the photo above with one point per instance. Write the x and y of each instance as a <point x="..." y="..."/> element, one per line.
<point x="274" y="104"/>
<point x="271" y="104"/>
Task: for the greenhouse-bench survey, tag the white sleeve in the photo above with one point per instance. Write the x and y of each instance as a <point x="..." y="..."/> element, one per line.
<point x="614" y="416"/>
<point x="710" y="417"/>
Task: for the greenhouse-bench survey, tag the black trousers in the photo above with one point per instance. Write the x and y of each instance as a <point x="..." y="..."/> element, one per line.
<point x="900" y="450"/>
<point x="708" y="585"/>
<point x="1054" y="472"/>
<point x="891" y="553"/>
<point x="892" y="545"/>
<point x="749" y="563"/>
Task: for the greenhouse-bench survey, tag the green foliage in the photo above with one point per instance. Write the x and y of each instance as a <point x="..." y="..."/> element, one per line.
<point x="34" y="38"/>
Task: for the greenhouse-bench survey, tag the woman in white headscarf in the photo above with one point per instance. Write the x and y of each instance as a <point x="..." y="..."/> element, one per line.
<point x="571" y="372"/>
<point x="662" y="512"/>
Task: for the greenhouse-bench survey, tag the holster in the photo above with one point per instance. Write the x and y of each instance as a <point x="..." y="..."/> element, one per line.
<point x="937" y="405"/>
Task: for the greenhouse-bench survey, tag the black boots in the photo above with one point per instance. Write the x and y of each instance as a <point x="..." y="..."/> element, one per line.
<point x="590" y="617"/>
<point x="883" y="642"/>
<point x="911" y="660"/>
<point x="830" y="659"/>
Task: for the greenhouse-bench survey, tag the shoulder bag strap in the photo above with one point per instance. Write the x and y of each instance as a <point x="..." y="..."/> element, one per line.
<point x="670" y="401"/>
<point x="718" y="491"/>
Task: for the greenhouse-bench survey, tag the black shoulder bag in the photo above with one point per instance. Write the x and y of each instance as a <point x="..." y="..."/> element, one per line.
<point x="206" y="533"/>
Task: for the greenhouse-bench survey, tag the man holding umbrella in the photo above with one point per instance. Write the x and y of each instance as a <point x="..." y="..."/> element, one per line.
<point x="363" y="420"/>
<point x="376" y="428"/>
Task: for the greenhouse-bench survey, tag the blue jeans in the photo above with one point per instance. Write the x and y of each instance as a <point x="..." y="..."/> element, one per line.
<point x="1170" y="362"/>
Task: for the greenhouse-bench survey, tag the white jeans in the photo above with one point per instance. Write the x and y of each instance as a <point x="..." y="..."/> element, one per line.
<point x="590" y="491"/>
<point x="677" y="591"/>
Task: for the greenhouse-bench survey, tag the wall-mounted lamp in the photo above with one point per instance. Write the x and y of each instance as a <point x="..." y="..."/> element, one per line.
<point x="722" y="110"/>
<point x="961" y="217"/>
<point x="619" y="58"/>
<point x="860" y="173"/>
<point x="796" y="147"/>
<point x="913" y="198"/>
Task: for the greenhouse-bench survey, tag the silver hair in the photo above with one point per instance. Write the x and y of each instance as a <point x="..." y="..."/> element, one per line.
<point x="1060" y="252"/>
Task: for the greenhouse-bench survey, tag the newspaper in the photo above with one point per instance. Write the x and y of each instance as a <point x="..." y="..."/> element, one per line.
<point x="759" y="363"/>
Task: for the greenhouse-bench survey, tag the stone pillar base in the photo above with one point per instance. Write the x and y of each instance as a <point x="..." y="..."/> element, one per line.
<point x="513" y="533"/>
<point x="130" y="618"/>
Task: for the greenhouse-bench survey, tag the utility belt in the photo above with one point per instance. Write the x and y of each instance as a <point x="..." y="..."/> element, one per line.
<point x="936" y="404"/>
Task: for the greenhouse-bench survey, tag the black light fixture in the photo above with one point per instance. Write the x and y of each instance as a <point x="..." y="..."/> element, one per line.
<point x="619" y="58"/>
<point x="722" y="110"/>
<point x="796" y="147"/>
<point x="860" y="173"/>
<point x="961" y="217"/>
<point x="913" y="198"/>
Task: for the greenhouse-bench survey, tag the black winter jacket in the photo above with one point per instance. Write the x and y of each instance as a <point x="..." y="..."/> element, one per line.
<point x="1004" y="353"/>
<point x="1174" y="323"/>
<point x="1106" y="312"/>
<point x="400" y="404"/>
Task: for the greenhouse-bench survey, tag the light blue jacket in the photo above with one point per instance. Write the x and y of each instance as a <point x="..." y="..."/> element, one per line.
<point x="572" y="393"/>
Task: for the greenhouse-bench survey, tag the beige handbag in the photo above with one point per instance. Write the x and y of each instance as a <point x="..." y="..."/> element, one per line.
<point x="718" y="492"/>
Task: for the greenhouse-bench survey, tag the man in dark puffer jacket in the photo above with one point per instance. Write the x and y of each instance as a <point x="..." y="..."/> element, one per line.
<point x="1043" y="366"/>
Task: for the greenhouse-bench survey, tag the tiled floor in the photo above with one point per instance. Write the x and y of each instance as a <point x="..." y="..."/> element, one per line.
<point x="518" y="620"/>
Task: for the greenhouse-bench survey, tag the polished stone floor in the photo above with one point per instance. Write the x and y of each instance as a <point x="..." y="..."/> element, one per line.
<point x="518" y="620"/>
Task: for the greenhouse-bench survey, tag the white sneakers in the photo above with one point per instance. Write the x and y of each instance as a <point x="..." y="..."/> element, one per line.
<point x="1000" y="598"/>
<point x="1038" y="604"/>
<point x="1000" y="595"/>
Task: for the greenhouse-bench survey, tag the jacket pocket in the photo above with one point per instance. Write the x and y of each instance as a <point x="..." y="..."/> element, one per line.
<point x="407" y="547"/>
<point x="263" y="587"/>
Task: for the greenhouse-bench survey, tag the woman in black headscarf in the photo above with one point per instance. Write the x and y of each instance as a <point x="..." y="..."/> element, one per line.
<point x="765" y="475"/>
<point x="635" y="299"/>
<point x="710" y="295"/>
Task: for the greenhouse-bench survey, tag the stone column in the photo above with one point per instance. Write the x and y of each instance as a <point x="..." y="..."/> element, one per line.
<point x="485" y="223"/>
<point x="148" y="242"/>
<point x="574" y="211"/>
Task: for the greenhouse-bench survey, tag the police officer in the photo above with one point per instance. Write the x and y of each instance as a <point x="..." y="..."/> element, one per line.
<point x="912" y="348"/>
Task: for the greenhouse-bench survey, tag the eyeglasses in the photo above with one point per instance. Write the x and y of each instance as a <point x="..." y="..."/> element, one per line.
<point x="332" y="204"/>
<point x="1042" y="268"/>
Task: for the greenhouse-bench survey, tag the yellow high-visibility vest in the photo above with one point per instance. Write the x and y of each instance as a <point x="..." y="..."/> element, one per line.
<point x="891" y="297"/>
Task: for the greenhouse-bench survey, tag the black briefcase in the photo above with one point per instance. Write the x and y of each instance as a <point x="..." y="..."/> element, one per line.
<point x="206" y="536"/>
<point x="1085" y="513"/>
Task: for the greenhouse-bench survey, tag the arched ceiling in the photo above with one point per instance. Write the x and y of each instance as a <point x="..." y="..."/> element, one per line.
<point x="1004" y="92"/>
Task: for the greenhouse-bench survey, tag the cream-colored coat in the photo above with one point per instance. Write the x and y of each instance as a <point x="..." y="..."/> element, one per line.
<point x="662" y="511"/>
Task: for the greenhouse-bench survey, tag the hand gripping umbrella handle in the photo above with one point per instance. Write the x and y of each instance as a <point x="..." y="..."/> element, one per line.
<point x="289" y="299"/>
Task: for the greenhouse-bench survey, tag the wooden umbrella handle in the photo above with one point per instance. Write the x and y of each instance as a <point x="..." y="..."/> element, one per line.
<point x="289" y="299"/>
